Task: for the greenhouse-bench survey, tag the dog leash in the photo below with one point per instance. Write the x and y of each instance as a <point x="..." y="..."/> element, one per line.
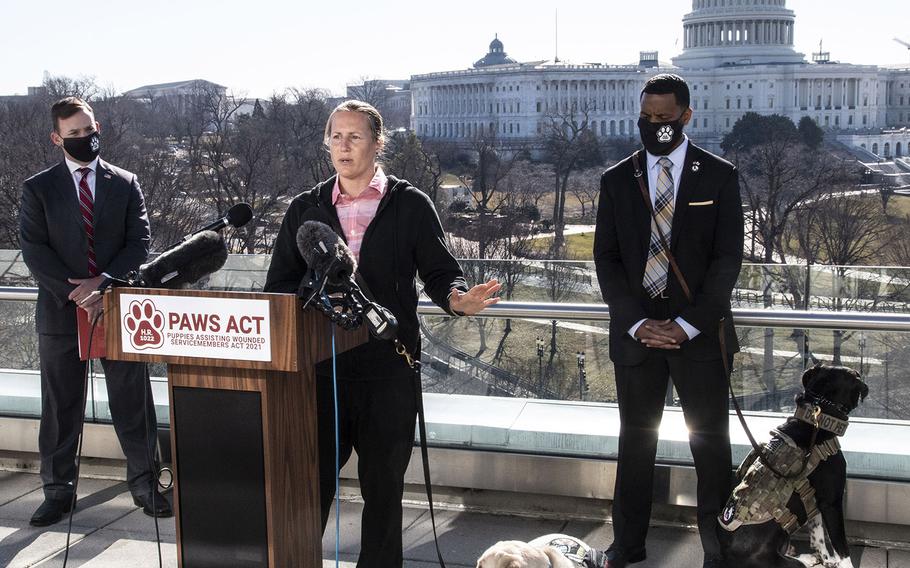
<point x="414" y="364"/>
<point x="760" y="450"/>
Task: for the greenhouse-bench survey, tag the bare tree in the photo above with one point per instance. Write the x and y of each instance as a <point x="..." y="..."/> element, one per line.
<point x="528" y="183"/>
<point x="585" y="186"/>
<point x="483" y="172"/>
<point x="25" y="150"/>
<point x="394" y="105"/>
<point x="59" y="86"/>
<point x="302" y="114"/>
<point x="898" y="250"/>
<point x="778" y="175"/>
<point x="562" y="280"/>
<point x="370" y="90"/>
<point x="849" y="231"/>
<point x="408" y="158"/>
<point x="570" y="143"/>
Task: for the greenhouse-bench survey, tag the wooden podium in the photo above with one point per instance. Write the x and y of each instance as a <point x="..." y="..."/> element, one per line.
<point x="243" y="428"/>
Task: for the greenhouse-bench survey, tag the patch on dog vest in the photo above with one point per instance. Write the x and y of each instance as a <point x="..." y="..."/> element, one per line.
<point x="762" y="495"/>
<point x="573" y="549"/>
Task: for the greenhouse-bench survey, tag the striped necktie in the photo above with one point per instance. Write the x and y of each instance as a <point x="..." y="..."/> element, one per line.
<point x="87" y="208"/>
<point x="655" y="280"/>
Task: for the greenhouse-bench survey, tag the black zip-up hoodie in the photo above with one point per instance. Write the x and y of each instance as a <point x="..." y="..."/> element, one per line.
<point x="405" y="239"/>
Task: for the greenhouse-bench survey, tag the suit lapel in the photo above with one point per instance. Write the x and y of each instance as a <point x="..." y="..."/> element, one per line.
<point x="643" y="217"/>
<point x="691" y="173"/>
<point x="103" y="182"/>
<point x="66" y="187"/>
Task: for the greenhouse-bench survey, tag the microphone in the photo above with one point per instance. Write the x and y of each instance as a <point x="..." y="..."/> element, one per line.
<point x="381" y="321"/>
<point x="325" y="253"/>
<point x="200" y="255"/>
<point x="237" y="216"/>
<point x="333" y="263"/>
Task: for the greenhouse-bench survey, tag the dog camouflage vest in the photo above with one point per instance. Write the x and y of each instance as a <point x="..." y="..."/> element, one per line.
<point x="576" y="551"/>
<point x="762" y="495"/>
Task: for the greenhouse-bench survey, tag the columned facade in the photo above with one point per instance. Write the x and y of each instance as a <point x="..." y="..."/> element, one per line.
<point x="520" y="101"/>
<point x="737" y="32"/>
<point x="738" y="57"/>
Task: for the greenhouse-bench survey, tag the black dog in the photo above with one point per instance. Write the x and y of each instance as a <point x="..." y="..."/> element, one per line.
<point x="799" y="480"/>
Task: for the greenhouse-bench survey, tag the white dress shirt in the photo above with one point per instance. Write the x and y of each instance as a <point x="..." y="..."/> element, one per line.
<point x="678" y="157"/>
<point x="77" y="177"/>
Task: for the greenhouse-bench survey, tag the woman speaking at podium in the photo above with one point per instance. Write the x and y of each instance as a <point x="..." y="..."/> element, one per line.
<point x="394" y="234"/>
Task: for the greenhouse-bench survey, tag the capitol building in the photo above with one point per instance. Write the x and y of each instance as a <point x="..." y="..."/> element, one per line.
<point x="738" y="57"/>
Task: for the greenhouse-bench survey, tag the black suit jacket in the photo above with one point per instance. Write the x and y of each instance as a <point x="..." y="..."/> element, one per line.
<point x="55" y="246"/>
<point x="707" y="241"/>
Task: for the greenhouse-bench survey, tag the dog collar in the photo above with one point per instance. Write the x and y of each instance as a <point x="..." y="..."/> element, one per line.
<point x="817" y="399"/>
<point x="813" y="415"/>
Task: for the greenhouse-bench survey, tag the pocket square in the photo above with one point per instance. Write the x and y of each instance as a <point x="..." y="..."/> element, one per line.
<point x="697" y="203"/>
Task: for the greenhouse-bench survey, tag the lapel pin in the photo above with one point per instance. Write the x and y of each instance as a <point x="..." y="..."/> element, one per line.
<point x="107" y="176"/>
<point x="695" y="166"/>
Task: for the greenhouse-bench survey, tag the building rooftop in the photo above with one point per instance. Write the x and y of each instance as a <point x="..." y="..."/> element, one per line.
<point x="175" y="86"/>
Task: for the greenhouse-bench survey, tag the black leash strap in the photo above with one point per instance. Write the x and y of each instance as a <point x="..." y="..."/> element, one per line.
<point x="759" y="450"/>
<point x="422" y="427"/>
<point x="414" y="363"/>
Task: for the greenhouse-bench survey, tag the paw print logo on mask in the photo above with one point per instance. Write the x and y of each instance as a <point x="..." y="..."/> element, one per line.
<point x="145" y="325"/>
<point x="95" y="143"/>
<point x="665" y="134"/>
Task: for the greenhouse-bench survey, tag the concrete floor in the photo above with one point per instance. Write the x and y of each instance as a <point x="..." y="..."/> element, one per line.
<point x="109" y="532"/>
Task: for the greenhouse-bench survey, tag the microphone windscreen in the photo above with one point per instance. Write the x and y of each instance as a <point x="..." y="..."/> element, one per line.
<point x="336" y="262"/>
<point x="200" y="255"/>
<point x="239" y="215"/>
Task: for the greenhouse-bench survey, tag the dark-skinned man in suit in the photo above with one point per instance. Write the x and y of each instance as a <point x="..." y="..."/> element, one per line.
<point x="81" y="220"/>
<point x="656" y="333"/>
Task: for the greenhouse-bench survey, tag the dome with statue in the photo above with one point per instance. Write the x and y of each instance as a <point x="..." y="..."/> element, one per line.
<point x="496" y="55"/>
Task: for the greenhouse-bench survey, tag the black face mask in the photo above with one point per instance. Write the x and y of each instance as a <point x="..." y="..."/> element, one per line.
<point x="660" y="137"/>
<point x="84" y="149"/>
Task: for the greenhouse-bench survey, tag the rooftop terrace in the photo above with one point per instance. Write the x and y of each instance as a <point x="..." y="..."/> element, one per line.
<point x="109" y="532"/>
<point x="518" y="447"/>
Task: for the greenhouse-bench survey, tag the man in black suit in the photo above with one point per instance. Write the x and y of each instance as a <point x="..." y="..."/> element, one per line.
<point x="656" y="333"/>
<point x="81" y="220"/>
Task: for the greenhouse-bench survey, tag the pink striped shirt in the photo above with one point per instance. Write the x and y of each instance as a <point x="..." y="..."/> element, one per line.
<point x="355" y="213"/>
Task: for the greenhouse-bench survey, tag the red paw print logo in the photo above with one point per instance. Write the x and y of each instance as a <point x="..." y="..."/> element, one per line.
<point x="145" y="325"/>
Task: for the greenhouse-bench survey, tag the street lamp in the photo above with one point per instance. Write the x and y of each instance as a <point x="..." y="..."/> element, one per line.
<point x="752" y="254"/>
<point x="862" y="352"/>
<point x="582" y="375"/>
<point x="540" y="345"/>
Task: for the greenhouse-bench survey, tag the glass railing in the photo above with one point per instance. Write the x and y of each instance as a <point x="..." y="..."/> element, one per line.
<point x="539" y="357"/>
<point x="778" y="286"/>
<point x="549" y="340"/>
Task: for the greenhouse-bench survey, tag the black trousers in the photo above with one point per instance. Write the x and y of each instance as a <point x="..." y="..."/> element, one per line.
<point x="377" y="420"/>
<point x="641" y="390"/>
<point x="62" y="383"/>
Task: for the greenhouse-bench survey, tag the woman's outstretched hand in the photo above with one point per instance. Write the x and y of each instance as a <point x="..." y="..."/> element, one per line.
<point x="475" y="299"/>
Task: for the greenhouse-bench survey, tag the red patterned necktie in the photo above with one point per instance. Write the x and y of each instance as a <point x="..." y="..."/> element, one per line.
<point x="87" y="207"/>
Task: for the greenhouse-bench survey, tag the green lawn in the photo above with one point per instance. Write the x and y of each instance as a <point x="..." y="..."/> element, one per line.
<point x="578" y="247"/>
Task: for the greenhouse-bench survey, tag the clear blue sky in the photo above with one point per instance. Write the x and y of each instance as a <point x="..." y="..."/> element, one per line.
<point x="257" y="47"/>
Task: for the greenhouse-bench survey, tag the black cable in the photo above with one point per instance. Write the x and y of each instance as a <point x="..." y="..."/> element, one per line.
<point x="89" y="373"/>
<point x="153" y="470"/>
<point x="86" y="376"/>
